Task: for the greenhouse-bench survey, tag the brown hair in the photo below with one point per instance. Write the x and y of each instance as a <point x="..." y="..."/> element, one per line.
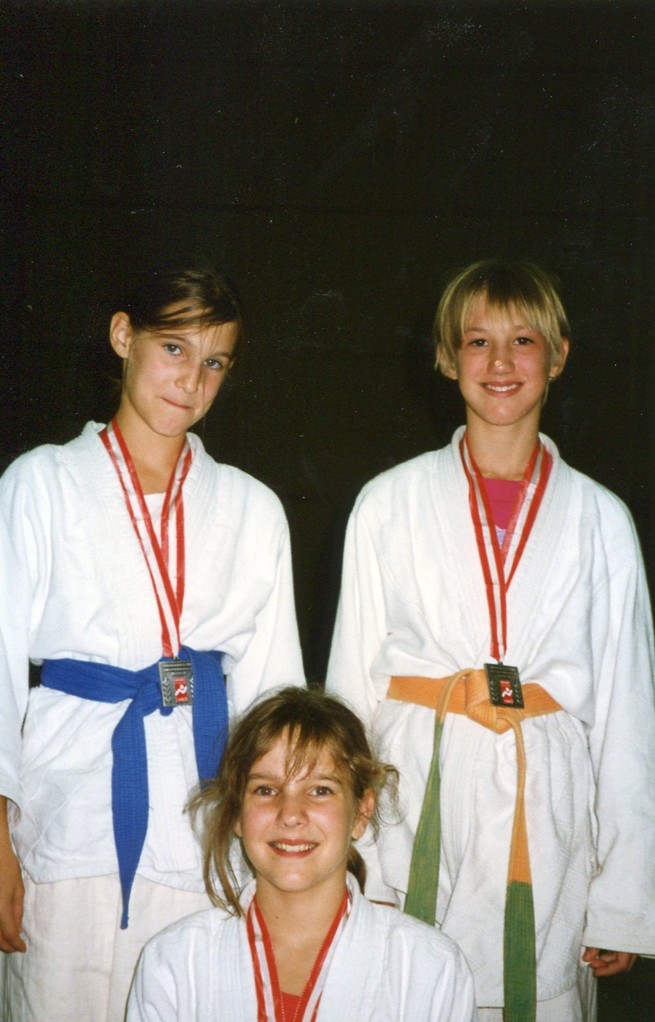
<point x="504" y="283"/>
<point x="171" y="298"/>
<point x="313" y="721"/>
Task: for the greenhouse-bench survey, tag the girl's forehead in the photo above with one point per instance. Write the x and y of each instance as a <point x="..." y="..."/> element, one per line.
<point x="185" y="316"/>
<point x="480" y="306"/>
<point x="288" y="756"/>
<point x="184" y="309"/>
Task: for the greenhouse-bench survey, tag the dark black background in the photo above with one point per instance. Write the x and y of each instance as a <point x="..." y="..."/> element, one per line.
<point x="341" y="160"/>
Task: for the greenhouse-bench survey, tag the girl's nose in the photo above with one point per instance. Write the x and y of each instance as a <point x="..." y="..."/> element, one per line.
<point x="189" y="378"/>
<point x="500" y="361"/>
<point x="290" y="810"/>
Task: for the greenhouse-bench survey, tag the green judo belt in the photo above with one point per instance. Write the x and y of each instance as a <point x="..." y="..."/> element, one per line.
<point x="467" y="692"/>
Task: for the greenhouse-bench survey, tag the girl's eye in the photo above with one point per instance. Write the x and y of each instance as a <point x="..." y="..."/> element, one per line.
<point x="264" y="789"/>
<point x="524" y="340"/>
<point x="219" y="364"/>
<point x="478" y="342"/>
<point x="321" y="790"/>
<point x="174" y="349"/>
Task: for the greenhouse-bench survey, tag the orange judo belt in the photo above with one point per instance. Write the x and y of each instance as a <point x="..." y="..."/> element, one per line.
<point x="467" y="692"/>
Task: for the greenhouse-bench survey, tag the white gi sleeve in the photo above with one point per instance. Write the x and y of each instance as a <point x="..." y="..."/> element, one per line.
<point x="153" y="997"/>
<point x="360" y="623"/>
<point x="621" y="905"/>
<point x="358" y="634"/>
<point x="273" y="656"/>
<point x="24" y="572"/>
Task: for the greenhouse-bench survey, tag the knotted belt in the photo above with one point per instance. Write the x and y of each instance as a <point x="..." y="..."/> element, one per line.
<point x="107" y="684"/>
<point x="467" y="692"/>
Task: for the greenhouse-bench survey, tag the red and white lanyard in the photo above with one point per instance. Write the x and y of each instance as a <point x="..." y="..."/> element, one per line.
<point x="163" y="551"/>
<point x="269" y="998"/>
<point x="500" y="563"/>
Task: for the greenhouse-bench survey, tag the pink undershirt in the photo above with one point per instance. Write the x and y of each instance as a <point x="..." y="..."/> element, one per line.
<point x="502" y="494"/>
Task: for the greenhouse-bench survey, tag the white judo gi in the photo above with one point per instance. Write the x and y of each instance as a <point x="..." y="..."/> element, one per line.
<point x="386" y="967"/>
<point x="75" y="584"/>
<point x="413" y="603"/>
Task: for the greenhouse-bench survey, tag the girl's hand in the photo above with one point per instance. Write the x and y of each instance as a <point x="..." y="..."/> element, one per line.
<point x="608" y="963"/>
<point x="12" y="891"/>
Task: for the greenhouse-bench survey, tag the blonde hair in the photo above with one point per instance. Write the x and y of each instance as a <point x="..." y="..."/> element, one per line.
<point x="311" y="721"/>
<point x="505" y="284"/>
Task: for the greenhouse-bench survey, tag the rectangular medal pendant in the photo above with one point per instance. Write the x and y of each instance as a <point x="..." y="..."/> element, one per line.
<point x="504" y="685"/>
<point x="176" y="680"/>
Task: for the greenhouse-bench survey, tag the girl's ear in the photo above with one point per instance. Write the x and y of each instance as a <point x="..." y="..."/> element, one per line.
<point x="237" y="827"/>
<point x="365" y="810"/>
<point x="559" y="361"/>
<point x="448" y="368"/>
<point x="121" y="334"/>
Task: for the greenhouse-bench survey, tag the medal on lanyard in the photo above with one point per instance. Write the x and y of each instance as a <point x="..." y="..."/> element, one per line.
<point x="499" y="563"/>
<point x="176" y="681"/>
<point x="269" y="997"/>
<point x="176" y="676"/>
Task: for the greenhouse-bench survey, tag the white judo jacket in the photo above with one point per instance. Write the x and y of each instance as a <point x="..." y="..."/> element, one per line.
<point x="76" y="585"/>
<point x="386" y="967"/>
<point x="413" y="603"/>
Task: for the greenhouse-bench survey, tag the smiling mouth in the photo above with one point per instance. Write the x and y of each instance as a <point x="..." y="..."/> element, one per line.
<point x="293" y="848"/>
<point x="501" y="388"/>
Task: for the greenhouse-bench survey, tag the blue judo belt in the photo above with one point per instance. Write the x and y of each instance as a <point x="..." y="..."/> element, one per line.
<point x="129" y="782"/>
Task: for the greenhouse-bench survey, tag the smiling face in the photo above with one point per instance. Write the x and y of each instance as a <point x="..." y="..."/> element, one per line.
<point x="170" y="377"/>
<point x="297" y="828"/>
<point x="503" y="367"/>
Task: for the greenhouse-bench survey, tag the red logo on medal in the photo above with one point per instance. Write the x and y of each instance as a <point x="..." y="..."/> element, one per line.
<point x="181" y="688"/>
<point x="506" y="692"/>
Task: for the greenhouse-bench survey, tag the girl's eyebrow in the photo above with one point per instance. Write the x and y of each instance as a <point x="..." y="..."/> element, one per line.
<point x="311" y="776"/>
<point x="333" y="778"/>
<point x="172" y="337"/>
